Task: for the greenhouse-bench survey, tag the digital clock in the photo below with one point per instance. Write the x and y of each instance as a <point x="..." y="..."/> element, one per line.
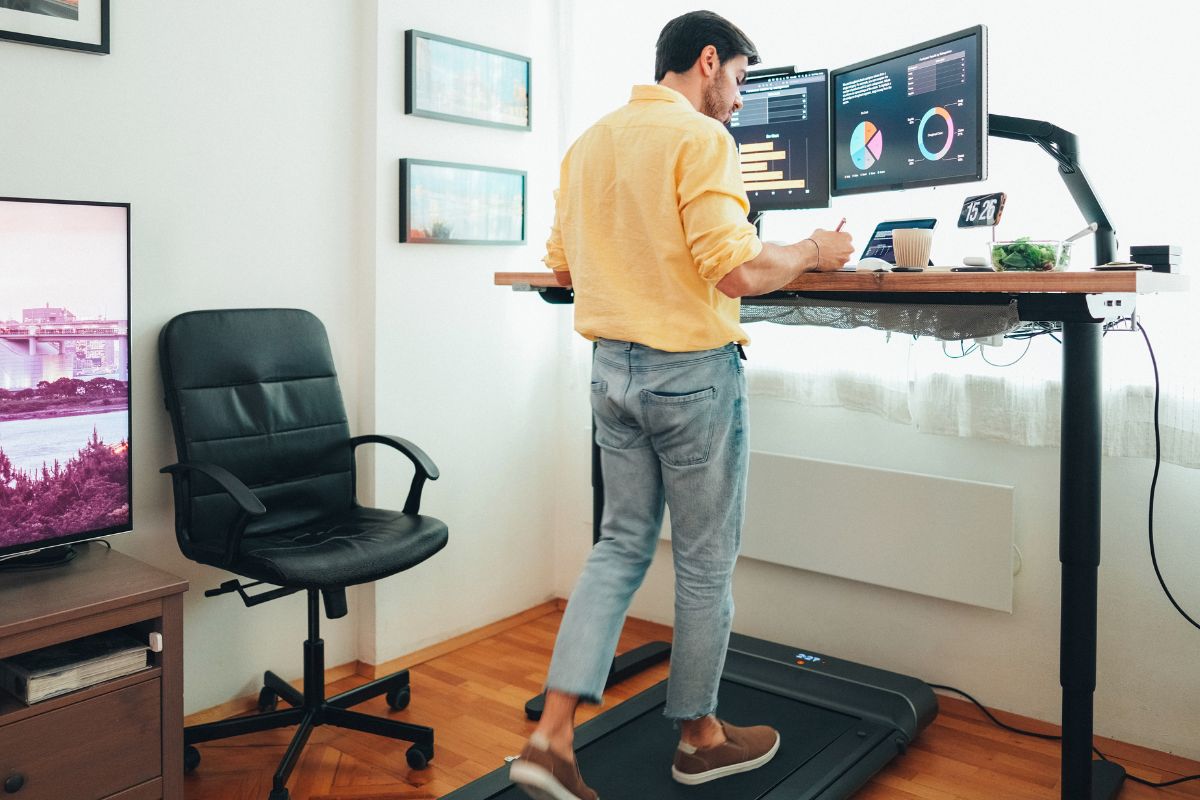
<point x="981" y="211"/>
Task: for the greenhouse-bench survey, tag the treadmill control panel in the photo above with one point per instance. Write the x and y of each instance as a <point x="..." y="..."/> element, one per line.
<point x="807" y="660"/>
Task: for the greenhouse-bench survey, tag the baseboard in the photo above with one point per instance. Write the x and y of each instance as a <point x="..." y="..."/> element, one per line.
<point x="1132" y="754"/>
<point x="410" y="660"/>
<point x="248" y="703"/>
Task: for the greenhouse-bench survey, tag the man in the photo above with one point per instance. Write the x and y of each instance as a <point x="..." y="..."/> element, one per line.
<point x="651" y="230"/>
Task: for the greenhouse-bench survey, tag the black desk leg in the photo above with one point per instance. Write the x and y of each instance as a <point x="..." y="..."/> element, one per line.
<point x="639" y="659"/>
<point x="1079" y="552"/>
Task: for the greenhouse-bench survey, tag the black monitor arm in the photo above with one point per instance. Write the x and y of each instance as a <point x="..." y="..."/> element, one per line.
<point x="1063" y="147"/>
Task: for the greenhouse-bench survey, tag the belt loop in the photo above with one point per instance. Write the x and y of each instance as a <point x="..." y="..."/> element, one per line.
<point x="741" y="352"/>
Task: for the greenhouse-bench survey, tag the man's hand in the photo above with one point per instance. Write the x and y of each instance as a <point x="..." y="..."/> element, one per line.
<point x="834" y="249"/>
<point x="780" y="264"/>
<point x="563" y="276"/>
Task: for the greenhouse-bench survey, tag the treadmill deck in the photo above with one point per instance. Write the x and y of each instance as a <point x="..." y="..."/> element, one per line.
<point x="839" y="723"/>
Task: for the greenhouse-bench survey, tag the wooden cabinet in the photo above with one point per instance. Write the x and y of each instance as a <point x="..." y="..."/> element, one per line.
<point x="119" y="740"/>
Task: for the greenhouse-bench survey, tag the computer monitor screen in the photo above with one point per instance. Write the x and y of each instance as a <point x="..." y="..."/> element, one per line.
<point x="782" y="133"/>
<point x="64" y="372"/>
<point x="916" y="117"/>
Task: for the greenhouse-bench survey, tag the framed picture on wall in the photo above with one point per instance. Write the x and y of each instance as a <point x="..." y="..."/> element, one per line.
<point x="70" y="24"/>
<point x="445" y="203"/>
<point x="463" y="82"/>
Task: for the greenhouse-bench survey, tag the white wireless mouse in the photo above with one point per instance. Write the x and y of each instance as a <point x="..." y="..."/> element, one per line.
<point x="873" y="265"/>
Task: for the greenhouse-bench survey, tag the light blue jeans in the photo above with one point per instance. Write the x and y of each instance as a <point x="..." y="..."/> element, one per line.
<point x="672" y="429"/>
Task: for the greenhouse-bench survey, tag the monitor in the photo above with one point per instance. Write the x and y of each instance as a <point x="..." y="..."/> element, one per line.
<point x="916" y="117"/>
<point x="64" y="373"/>
<point x="782" y="133"/>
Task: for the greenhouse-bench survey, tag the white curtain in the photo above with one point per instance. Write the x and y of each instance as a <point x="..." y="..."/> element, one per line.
<point x="1008" y="394"/>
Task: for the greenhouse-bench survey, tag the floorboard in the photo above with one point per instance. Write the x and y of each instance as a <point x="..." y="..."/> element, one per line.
<point x="474" y="697"/>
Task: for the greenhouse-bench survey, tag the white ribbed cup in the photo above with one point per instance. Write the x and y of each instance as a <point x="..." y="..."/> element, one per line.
<point x="912" y="246"/>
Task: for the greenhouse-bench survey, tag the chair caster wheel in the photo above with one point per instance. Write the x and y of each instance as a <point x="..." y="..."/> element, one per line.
<point x="278" y="794"/>
<point x="191" y="758"/>
<point x="267" y="700"/>
<point x="398" y="699"/>
<point x="417" y="758"/>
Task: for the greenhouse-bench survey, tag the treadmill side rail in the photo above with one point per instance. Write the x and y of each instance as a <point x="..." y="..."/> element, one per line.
<point x="892" y="699"/>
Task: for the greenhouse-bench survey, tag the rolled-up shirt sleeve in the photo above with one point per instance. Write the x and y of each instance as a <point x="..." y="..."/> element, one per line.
<point x="713" y="205"/>
<point x="556" y="254"/>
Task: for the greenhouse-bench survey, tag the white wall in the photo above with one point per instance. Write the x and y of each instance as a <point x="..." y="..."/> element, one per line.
<point x="1076" y="76"/>
<point x="232" y="129"/>
<point x="467" y="370"/>
<point x="259" y="147"/>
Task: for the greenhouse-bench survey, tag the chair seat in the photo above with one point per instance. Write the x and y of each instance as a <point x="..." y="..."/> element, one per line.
<point x="358" y="546"/>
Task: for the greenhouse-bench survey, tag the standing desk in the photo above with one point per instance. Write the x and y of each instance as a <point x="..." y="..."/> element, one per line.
<point x="1082" y="302"/>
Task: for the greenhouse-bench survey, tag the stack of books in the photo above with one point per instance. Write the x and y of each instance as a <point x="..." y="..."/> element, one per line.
<point x="61" y="668"/>
<point x="1160" y="257"/>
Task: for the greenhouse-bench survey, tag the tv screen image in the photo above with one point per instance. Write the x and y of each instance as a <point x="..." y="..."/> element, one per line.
<point x="782" y="133"/>
<point x="65" y="470"/>
<point x="915" y="117"/>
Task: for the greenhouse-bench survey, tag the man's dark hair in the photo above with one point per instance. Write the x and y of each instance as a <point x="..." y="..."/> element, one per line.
<point x="683" y="38"/>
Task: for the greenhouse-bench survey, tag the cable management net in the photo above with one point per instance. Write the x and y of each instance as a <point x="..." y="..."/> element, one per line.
<point x="945" y="322"/>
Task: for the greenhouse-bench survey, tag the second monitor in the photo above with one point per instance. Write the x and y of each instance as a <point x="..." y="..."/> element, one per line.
<point x="782" y="133"/>
<point x="915" y="117"/>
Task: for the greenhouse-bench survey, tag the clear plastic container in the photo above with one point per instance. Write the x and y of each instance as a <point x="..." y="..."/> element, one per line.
<point x="1030" y="255"/>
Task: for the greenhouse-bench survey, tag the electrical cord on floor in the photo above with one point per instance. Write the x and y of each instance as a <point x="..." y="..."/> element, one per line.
<point x="1055" y="738"/>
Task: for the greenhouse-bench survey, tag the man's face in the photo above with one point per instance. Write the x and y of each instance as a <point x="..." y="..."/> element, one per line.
<point x="722" y="92"/>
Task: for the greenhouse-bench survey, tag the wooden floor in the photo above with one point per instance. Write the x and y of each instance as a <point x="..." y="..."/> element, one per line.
<point x="474" y="696"/>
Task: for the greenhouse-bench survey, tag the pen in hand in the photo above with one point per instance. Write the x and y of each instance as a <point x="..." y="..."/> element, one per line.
<point x="840" y="224"/>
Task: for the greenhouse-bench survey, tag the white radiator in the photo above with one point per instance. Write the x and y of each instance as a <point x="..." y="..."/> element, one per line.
<point x="925" y="534"/>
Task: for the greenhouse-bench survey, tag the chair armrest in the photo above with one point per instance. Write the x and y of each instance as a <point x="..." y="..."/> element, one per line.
<point x="249" y="505"/>
<point x="425" y="468"/>
<point x="415" y="454"/>
<point x="229" y="482"/>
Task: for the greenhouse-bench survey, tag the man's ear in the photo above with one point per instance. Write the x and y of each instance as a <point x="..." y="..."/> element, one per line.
<point x="708" y="61"/>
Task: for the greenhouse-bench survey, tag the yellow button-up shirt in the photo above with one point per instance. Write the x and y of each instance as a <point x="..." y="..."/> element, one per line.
<point x="650" y="215"/>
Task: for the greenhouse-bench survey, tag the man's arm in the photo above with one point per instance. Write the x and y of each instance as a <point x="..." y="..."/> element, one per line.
<point x="778" y="265"/>
<point x="556" y="254"/>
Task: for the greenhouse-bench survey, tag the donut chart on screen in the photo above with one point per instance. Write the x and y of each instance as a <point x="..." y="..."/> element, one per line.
<point x="866" y="145"/>
<point x="943" y="116"/>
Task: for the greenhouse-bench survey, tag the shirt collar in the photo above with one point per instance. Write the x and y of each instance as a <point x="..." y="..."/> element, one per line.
<point x="656" y="91"/>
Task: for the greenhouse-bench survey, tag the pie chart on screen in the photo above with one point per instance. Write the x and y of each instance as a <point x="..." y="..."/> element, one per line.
<point x="866" y="145"/>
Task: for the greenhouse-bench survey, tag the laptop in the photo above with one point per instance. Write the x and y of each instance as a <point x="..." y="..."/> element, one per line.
<point x="880" y="243"/>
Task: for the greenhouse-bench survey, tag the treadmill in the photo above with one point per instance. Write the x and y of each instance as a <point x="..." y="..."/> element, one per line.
<point x="839" y="723"/>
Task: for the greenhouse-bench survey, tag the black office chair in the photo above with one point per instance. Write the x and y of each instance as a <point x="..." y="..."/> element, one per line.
<point x="265" y="488"/>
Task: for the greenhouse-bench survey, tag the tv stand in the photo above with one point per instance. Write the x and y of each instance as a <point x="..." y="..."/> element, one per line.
<point x="118" y="740"/>
<point x="40" y="559"/>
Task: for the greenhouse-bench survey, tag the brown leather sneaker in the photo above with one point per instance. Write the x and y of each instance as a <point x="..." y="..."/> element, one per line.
<point x="544" y="775"/>
<point x="744" y="749"/>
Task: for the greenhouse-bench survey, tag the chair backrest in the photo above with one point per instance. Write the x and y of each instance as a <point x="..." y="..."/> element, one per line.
<point x="255" y="391"/>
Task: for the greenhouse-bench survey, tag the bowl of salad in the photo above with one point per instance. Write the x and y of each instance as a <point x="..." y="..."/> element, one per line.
<point x="1032" y="255"/>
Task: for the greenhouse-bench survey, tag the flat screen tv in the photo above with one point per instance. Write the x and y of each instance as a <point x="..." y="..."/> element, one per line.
<point x="65" y="457"/>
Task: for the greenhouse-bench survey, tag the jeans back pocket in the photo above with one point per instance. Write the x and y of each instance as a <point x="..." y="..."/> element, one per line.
<point x="680" y="425"/>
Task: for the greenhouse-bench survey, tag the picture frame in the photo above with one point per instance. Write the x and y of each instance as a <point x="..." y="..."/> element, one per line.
<point x="458" y="81"/>
<point x="67" y="24"/>
<point x="443" y="202"/>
